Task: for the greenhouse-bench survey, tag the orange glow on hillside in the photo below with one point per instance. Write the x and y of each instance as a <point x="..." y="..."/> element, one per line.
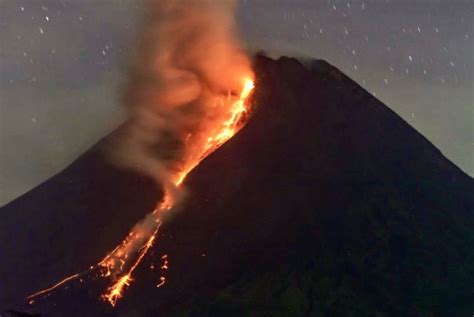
<point x="227" y="130"/>
<point x="119" y="265"/>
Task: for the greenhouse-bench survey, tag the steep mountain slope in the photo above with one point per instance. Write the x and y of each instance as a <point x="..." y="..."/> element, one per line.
<point x="335" y="199"/>
<point x="68" y="223"/>
<point x="326" y="203"/>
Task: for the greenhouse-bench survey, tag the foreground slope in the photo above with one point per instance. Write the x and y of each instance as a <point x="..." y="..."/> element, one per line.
<point x="326" y="203"/>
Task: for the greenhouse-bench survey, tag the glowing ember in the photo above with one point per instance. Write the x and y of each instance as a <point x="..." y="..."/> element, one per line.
<point x="165" y="262"/>
<point x="162" y="282"/>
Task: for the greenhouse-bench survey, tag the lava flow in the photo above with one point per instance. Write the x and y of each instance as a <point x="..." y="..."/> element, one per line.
<point x="119" y="265"/>
<point x="117" y="258"/>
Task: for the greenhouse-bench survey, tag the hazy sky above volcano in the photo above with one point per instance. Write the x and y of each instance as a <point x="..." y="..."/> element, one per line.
<point x="62" y="62"/>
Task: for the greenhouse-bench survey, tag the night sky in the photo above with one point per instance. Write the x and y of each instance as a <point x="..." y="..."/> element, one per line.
<point x="63" y="61"/>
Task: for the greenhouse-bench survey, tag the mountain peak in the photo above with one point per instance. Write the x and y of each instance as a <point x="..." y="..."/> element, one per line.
<point x="326" y="202"/>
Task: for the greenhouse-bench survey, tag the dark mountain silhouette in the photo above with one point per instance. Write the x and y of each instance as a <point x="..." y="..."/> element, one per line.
<point x="68" y="223"/>
<point x="326" y="204"/>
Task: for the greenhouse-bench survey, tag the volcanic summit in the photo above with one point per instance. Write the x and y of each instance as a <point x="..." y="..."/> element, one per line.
<point x="325" y="203"/>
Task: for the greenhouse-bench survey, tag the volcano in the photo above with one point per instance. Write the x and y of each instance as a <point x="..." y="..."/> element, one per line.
<point x="325" y="203"/>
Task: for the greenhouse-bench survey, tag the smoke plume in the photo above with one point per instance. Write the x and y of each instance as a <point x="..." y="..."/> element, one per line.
<point x="188" y="66"/>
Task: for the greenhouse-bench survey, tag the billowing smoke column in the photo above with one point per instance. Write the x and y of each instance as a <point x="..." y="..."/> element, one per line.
<point x="187" y="95"/>
<point x="188" y="60"/>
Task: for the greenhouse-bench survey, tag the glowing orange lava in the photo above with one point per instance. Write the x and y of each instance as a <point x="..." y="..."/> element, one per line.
<point x="67" y="279"/>
<point x="120" y="263"/>
<point x="115" y="291"/>
<point x="228" y="129"/>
